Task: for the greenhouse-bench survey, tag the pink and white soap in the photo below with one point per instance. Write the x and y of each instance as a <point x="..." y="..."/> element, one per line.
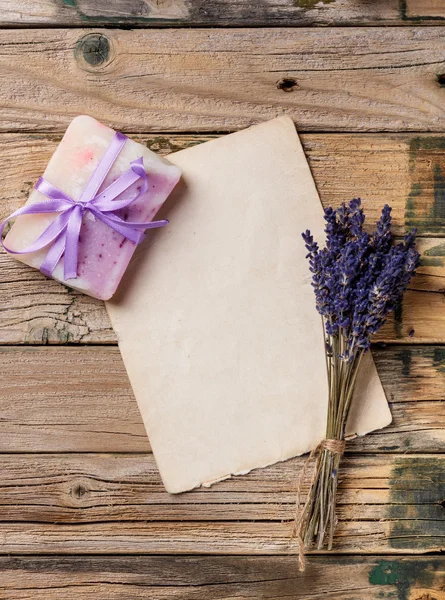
<point x="103" y="253"/>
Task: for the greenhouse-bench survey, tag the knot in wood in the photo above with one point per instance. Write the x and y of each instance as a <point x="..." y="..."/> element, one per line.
<point x="94" y="50"/>
<point x="78" y="491"/>
<point x="287" y="84"/>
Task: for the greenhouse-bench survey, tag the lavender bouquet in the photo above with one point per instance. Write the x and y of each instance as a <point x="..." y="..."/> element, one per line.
<point x="358" y="279"/>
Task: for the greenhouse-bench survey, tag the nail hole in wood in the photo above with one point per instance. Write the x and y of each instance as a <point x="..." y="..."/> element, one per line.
<point x="287" y="84"/>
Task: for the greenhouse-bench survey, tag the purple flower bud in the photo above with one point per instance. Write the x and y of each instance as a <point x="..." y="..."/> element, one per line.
<point x="359" y="279"/>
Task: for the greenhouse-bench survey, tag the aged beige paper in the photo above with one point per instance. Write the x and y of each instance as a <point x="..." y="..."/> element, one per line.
<point x="216" y="321"/>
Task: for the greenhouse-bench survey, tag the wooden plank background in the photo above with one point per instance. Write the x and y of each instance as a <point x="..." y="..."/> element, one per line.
<point x="224" y="577"/>
<point x="187" y="80"/>
<point x="217" y="13"/>
<point x="84" y="514"/>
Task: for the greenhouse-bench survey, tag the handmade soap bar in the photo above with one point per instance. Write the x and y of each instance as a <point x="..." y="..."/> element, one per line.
<point x="103" y="253"/>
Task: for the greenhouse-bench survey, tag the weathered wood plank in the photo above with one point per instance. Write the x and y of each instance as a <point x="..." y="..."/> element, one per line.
<point x="415" y="427"/>
<point x="420" y="319"/>
<point x="145" y="13"/>
<point x="222" y="578"/>
<point x="79" y="400"/>
<point x="90" y="488"/>
<point x="36" y="310"/>
<point x="213" y="537"/>
<point x="403" y="170"/>
<point x="353" y="79"/>
<point x="423" y="9"/>
<point x="227" y="13"/>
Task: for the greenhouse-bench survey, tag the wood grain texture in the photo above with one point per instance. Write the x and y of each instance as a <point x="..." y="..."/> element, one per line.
<point x="424" y="9"/>
<point x="69" y="399"/>
<point x="340" y="79"/>
<point x="146" y="13"/>
<point x="92" y="488"/>
<point x="402" y="170"/>
<point x="222" y="578"/>
<point x="216" y="537"/>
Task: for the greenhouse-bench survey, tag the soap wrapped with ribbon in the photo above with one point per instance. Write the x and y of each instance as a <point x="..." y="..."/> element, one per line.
<point x="89" y="210"/>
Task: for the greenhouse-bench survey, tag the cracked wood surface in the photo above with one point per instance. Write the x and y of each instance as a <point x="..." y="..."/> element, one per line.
<point x="336" y="79"/>
<point x="404" y="170"/>
<point x="223" y="577"/>
<point x="215" y="537"/>
<point x="103" y="488"/>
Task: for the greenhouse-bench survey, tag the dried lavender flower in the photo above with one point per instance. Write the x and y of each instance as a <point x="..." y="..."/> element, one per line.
<point x="358" y="279"/>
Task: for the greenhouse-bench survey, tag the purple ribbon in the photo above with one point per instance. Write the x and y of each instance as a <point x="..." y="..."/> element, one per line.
<point x="63" y="233"/>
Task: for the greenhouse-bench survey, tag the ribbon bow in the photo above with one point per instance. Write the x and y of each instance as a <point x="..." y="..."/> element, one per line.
<point x="63" y="233"/>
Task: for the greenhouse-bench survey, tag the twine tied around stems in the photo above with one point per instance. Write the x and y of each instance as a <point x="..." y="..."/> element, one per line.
<point x="334" y="446"/>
